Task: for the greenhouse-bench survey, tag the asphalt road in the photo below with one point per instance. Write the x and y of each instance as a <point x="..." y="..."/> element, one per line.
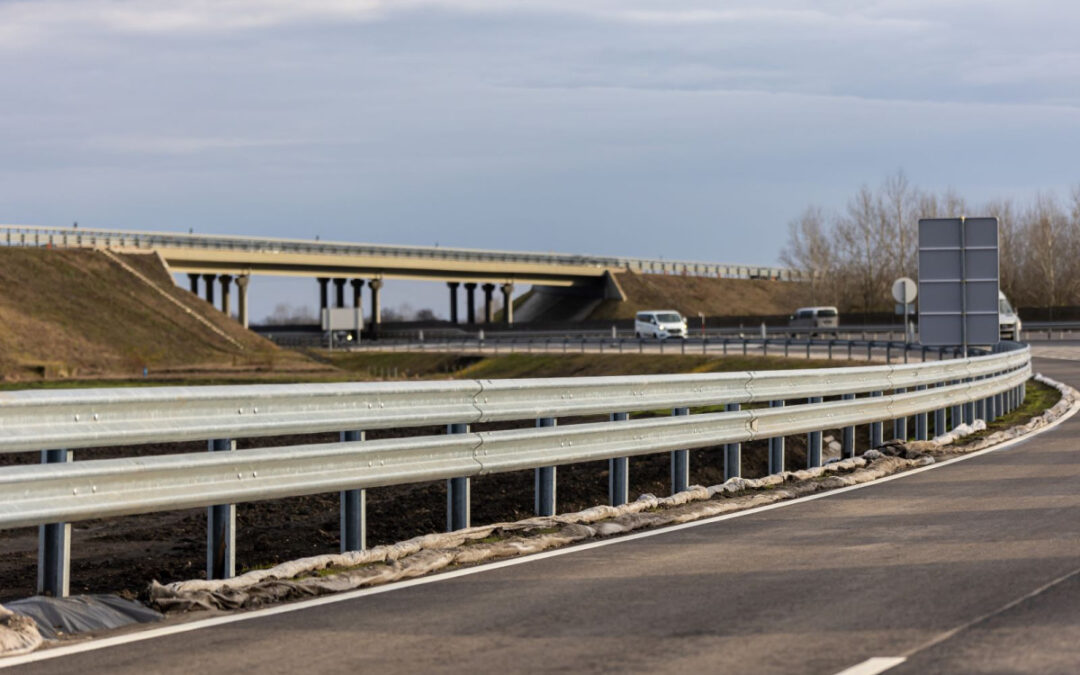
<point x="971" y="567"/>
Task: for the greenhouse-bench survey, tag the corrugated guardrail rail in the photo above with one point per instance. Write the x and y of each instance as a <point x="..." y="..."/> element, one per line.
<point x="60" y="491"/>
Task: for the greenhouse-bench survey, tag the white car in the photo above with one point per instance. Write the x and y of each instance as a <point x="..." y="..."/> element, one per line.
<point x="660" y="324"/>
<point x="1008" y="322"/>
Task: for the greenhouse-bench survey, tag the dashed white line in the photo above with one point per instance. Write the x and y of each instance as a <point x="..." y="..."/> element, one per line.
<point x="878" y="664"/>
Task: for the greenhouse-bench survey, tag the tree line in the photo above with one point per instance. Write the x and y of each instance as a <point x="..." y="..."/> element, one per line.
<point x="853" y="256"/>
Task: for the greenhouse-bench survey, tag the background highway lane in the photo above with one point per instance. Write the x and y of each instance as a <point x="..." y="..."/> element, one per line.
<point x="815" y="587"/>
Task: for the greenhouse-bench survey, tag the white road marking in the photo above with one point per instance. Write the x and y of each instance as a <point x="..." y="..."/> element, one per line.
<point x="878" y="664"/>
<point x="93" y="645"/>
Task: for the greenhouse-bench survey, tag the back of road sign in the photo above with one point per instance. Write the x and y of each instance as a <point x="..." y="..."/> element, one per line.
<point x="958" y="281"/>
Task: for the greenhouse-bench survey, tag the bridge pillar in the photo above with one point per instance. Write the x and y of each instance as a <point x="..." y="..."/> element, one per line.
<point x="545" y="479"/>
<point x="732" y="451"/>
<point x="226" y="286"/>
<point x="813" y="442"/>
<point x="776" y="446"/>
<point x="339" y="292"/>
<point x="353" y="508"/>
<point x="489" y="310"/>
<point x="680" y="462"/>
<point x="242" y="299"/>
<point x="376" y="313"/>
<point x="54" y="544"/>
<point x="357" y="293"/>
<point x="470" y="302"/>
<point x="209" y="279"/>
<point x="619" y="472"/>
<point x="193" y="279"/>
<point x="221" y="528"/>
<point x="457" y="492"/>
<point x="508" y="303"/>
<point x="324" y="299"/>
<point x="453" y="300"/>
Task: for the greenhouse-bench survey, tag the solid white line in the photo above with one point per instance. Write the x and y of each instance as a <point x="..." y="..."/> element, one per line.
<point x="878" y="664"/>
<point x="163" y="631"/>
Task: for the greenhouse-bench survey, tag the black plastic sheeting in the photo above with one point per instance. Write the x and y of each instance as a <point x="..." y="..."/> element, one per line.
<point x="81" y="613"/>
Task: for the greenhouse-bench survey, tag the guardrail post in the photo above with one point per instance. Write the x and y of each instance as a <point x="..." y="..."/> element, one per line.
<point x="680" y="462"/>
<point x="221" y="528"/>
<point x="980" y="406"/>
<point x="969" y="408"/>
<point x="545" y="479"/>
<point x="732" y="451"/>
<point x="899" y="428"/>
<point x="619" y="471"/>
<point x="921" y="420"/>
<point x="991" y="412"/>
<point x="809" y="341"/>
<point x="776" y="446"/>
<point x="54" y="544"/>
<point x="353" y="508"/>
<point x="876" y="440"/>
<point x="813" y="442"/>
<point x="850" y="344"/>
<point x="848" y="443"/>
<point x="957" y="412"/>
<point x="787" y="345"/>
<point x="939" y="419"/>
<point x="458" y="497"/>
<point x="870" y="350"/>
<point x="888" y="350"/>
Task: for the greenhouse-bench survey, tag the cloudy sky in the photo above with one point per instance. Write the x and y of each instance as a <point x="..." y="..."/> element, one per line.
<point x="673" y="128"/>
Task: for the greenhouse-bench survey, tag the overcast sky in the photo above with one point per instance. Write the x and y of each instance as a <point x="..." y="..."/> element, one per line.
<point x="652" y="128"/>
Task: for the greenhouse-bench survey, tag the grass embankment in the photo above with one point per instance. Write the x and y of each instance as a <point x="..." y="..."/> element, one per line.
<point x="710" y="296"/>
<point x="432" y="366"/>
<point x="78" y="313"/>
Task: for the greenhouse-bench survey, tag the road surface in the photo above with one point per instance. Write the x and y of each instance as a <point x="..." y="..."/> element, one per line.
<point x="970" y="567"/>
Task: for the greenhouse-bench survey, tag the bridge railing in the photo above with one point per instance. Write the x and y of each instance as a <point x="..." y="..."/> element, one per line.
<point x="29" y="235"/>
<point x="728" y="409"/>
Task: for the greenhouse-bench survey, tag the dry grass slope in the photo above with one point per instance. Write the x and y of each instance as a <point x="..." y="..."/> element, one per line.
<point x="690" y="295"/>
<point x="67" y="313"/>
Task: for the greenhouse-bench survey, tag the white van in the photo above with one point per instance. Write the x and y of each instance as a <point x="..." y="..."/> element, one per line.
<point x="660" y="324"/>
<point x="1008" y="322"/>
<point x="809" y="318"/>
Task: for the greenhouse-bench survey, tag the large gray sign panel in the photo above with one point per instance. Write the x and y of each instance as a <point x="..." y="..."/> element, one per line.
<point x="958" y="281"/>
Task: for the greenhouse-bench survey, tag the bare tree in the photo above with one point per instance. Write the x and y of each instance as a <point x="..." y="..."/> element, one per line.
<point x="809" y="250"/>
<point x="900" y="203"/>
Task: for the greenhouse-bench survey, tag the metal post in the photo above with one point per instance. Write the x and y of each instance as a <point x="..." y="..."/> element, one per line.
<point x="876" y="440"/>
<point x="900" y="424"/>
<point x="619" y="472"/>
<point x="776" y="446"/>
<point x="545" y="480"/>
<point x="813" y="442"/>
<point x="921" y="421"/>
<point x="732" y="451"/>
<point x="221" y="528"/>
<point x="980" y="406"/>
<point x="353" y="508"/>
<point x="680" y="462"/>
<point x="957" y="412"/>
<point x="457" y="492"/>
<point x="848" y="441"/>
<point x="54" y="544"/>
<point x="969" y="409"/>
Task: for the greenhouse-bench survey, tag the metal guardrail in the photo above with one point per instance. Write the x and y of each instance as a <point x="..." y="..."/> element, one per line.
<point x="31" y="235"/>
<point x="52" y="494"/>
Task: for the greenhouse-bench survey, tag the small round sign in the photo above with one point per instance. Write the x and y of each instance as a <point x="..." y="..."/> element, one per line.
<point x="904" y="290"/>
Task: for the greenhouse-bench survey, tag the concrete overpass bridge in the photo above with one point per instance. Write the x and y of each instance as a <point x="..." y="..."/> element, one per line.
<point x="222" y="260"/>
